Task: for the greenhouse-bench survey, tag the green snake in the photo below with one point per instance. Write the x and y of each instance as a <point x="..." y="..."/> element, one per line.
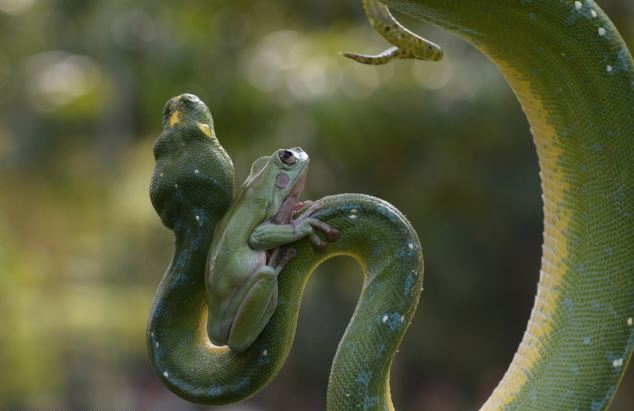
<point x="574" y="77"/>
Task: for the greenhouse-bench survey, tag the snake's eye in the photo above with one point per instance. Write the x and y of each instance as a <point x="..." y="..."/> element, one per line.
<point x="287" y="157"/>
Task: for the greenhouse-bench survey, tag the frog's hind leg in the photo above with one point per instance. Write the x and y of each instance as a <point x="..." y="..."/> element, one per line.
<point x="260" y="301"/>
<point x="407" y="45"/>
<point x="255" y="310"/>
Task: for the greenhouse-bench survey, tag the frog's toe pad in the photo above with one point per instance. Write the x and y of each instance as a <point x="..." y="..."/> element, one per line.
<point x="289" y="253"/>
<point x="333" y="235"/>
<point x="320" y="246"/>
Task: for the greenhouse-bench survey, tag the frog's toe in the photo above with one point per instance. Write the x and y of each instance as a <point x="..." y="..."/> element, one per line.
<point x="320" y="247"/>
<point x="290" y="253"/>
<point x="287" y="255"/>
<point x="318" y="244"/>
<point x="332" y="235"/>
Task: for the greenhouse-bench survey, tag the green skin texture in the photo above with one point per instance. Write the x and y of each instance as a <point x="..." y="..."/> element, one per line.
<point x="241" y="277"/>
<point x="549" y="51"/>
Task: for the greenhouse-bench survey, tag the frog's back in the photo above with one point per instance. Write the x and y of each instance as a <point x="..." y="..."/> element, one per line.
<point x="231" y="260"/>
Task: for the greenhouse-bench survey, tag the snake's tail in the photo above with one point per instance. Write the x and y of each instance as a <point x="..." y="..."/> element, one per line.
<point x="407" y="45"/>
<point x="384" y="57"/>
<point x="375" y="59"/>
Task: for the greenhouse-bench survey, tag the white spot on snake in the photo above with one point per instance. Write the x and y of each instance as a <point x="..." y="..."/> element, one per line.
<point x="175" y="185"/>
<point x="402" y="318"/>
<point x="578" y="5"/>
<point x="165" y="374"/>
<point x="617" y="363"/>
<point x="587" y="340"/>
<point x="630" y="321"/>
<point x="157" y="344"/>
<point x="609" y="68"/>
<point x="265" y="353"/>
<point x="593" y="13"/>
<point x="197" y="218"/>
<point x="347" y="394"/>
<point x="152" y="334"/>
<point x="352" y="216"/>
<point x="385" y="318"/>
<point x="601" y="31"/>
<point x="411" y="246"/>
<point x="353" y="211"/>
<point x="196" y="171"/>
<point x="161" y="174"/>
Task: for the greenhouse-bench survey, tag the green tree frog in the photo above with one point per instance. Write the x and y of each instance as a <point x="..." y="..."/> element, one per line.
<point x="246" y="253"/>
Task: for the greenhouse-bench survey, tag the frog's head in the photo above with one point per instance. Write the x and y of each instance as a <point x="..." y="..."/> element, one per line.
<point x="187" y="110"/>
<point x="279" y="180"/>
<point x="289" y="182"/>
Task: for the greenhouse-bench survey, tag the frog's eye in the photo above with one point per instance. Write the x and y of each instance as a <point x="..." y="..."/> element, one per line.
<point x="287" y="157"/>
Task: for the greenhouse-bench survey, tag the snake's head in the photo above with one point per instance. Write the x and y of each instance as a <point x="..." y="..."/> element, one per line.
<point x="185" y="110"/>
<point x="193" y="175"/>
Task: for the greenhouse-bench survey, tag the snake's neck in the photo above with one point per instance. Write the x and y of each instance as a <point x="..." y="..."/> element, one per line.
<point x="180" y="298"/>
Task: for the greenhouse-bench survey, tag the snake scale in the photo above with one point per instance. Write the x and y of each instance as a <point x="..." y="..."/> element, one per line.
<point x="574" y="77"/>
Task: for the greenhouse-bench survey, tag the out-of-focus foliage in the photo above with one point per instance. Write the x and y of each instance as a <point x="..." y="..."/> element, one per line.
<point x="82" y="84"/>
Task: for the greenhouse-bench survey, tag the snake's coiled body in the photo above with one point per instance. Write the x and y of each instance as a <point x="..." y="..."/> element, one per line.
<point x="191" y="189"/>
<point x="574" y="77"/>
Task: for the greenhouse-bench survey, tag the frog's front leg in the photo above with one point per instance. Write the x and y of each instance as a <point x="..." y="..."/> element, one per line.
<point x="269" y="235"/>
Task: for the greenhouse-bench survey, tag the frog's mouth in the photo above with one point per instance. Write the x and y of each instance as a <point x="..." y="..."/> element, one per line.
<point x="284" y="213"/>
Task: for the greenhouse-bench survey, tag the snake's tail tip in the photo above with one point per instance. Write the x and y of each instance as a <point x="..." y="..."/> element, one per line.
<point x="352" y="56"/>
<point x="364" y="58"/>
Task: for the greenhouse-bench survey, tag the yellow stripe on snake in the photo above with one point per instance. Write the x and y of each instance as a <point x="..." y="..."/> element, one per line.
<point x="574" y="77"/>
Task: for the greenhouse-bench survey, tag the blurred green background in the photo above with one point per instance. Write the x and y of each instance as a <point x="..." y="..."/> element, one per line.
<point x="82" y="86"/>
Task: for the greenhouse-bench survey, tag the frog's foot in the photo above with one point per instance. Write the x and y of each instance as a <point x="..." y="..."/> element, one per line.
<point x="331" y="233"/>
